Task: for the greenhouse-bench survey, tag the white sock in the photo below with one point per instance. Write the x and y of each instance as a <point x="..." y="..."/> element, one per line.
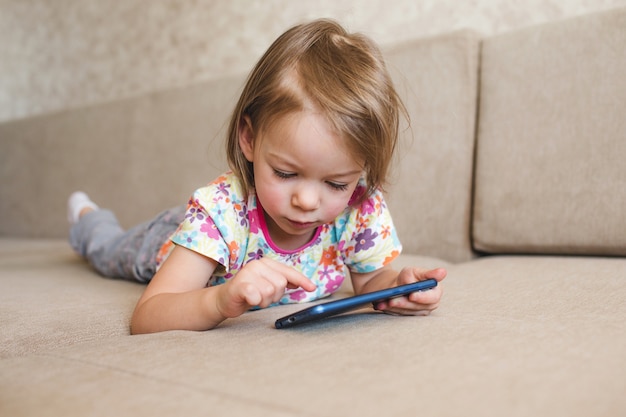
<point x="76" y="203"/>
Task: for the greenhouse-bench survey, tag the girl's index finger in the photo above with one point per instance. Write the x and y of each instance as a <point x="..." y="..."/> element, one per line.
<point x="294" y="278"/>
<point x="298" y="280"/>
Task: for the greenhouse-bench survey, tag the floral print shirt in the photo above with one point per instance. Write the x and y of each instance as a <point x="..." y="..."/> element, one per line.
<point x="229" y="227"/>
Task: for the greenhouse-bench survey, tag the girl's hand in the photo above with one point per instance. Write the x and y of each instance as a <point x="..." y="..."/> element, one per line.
<point x="417" y="303"/>
<point x="259" y="283"/>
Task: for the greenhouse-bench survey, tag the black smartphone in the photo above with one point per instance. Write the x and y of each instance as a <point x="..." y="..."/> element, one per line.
<point x="343" y="305"/>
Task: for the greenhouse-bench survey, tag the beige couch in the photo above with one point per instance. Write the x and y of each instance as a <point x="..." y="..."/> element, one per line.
<point x="512" y="175"/>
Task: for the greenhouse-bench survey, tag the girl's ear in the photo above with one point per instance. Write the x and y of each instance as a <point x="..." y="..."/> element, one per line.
<point x="246" y="138"/>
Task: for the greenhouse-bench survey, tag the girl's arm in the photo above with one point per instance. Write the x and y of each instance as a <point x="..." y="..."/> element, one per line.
<point x="417" y="303"/>
<point x="177" y="297"/>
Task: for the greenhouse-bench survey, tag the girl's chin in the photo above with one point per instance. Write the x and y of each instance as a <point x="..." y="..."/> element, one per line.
<point x="297" y="234"/>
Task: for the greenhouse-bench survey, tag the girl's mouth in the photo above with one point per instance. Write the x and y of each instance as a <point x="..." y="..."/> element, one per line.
<point x="301" y="225"/>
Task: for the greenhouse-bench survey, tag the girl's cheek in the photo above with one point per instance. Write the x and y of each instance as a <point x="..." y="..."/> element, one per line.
<point x="336" y="208"/>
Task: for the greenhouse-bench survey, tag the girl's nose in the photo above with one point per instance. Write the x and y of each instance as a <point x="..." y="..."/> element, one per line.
<point x="306" y="197"/>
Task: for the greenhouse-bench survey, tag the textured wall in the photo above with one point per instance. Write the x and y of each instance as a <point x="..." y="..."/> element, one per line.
<point x="67" y="53"/>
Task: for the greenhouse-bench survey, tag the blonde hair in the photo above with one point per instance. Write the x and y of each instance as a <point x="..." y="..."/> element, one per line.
<point x="341" y="74"/>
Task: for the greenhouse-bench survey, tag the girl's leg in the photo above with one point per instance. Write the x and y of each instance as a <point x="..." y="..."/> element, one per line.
<point x="114" y="252"/>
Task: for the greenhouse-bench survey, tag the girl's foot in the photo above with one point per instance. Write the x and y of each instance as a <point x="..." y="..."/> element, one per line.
<point x="79" y="204"/>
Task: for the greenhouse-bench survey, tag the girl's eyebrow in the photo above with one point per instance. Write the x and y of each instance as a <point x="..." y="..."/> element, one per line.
<point x="348" y="173"/>
<point x="281" y="159"/>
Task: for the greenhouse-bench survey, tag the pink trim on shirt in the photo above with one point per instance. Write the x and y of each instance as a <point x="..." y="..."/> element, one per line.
<point x="268" y="238"/>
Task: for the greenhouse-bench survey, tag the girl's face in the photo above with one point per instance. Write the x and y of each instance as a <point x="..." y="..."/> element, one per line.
<point x="304" y="174"/>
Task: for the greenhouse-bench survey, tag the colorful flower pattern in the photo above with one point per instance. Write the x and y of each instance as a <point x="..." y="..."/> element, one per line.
<point x="227" y="226"/>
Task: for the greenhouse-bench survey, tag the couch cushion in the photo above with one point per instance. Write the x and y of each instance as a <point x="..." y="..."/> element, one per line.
<point x="430" y="194"/>
<point x="550" y="170"/>
<point x="513" y="336"/>
<point x="50" y="298"/>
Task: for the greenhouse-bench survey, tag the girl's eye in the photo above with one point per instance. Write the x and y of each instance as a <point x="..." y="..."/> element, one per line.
<point x="283" y="175"/>
<point x="287" y="175"/>
<point x="337" y="186"/>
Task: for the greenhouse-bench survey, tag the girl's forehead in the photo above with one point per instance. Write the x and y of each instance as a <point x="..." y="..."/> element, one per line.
<point x="306" y="137"/>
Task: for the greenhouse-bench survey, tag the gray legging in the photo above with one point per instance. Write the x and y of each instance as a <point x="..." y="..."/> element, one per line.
<point x="114" y="252"/>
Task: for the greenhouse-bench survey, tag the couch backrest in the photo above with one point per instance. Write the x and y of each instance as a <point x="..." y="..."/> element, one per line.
<point x="549" y="175"/>
<point x="136" y="156"/>
<point x="551" y="148"/>
<point x="431" y="193"/>
<point x="141" y="155"/>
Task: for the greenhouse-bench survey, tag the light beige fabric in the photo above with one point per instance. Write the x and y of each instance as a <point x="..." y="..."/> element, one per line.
<point x="430" y="194"/>
<point x="50" y="298"/>
<point x="138" y="157"/>
<point x="551" y="152"/>
<point x="514" y="336"/>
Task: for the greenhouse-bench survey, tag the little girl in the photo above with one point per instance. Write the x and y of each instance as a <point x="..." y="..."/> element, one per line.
<point x="309" y="145"/>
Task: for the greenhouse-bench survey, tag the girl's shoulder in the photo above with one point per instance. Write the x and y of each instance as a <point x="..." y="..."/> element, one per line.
<point x="225" y="189"/>
<point x="223" y="200"/>
<point x="221" y="208"/>
<point x="370" y="213"/>
<point x="373" y="204"/>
